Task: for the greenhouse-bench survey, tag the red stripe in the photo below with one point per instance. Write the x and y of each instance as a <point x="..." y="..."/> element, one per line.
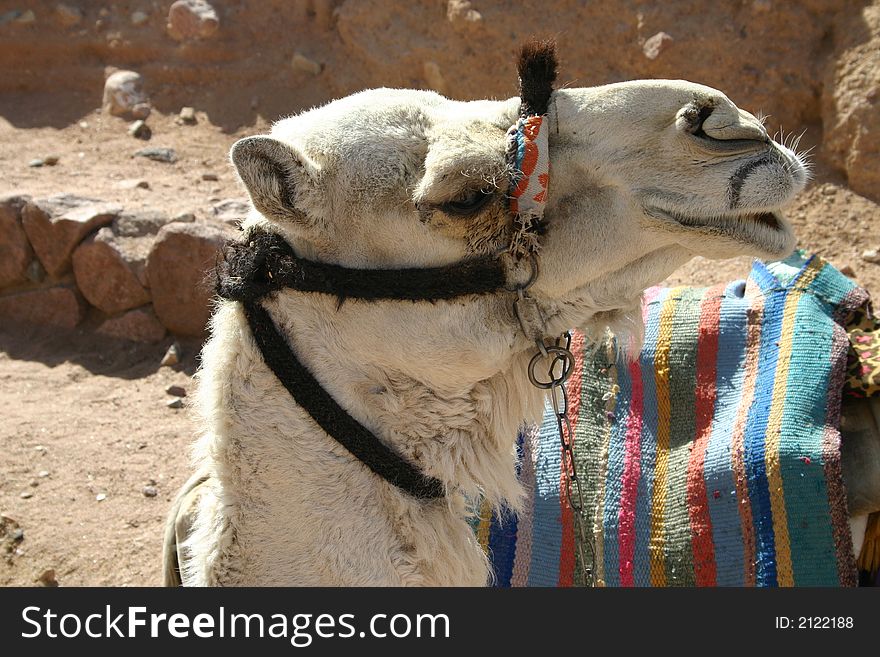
<point x="567" y="560"/>
<point x="630" y="485"/>
<point x="698" y="500"/>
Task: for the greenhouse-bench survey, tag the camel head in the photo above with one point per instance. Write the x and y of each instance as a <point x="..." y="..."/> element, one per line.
<point x="644" y="175"/>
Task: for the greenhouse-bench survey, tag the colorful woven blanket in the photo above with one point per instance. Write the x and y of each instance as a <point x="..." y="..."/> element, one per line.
<point x="710" y="460"/>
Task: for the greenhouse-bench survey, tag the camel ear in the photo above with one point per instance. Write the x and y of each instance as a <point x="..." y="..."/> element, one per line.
<point x="272" y="172"/>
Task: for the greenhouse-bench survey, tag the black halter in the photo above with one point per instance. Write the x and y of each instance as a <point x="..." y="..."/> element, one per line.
<point x="264" y="263"/>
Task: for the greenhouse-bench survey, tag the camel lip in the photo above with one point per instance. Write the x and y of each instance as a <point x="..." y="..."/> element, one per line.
<point x="767" y="231"/>
<point x="771" y="219"/>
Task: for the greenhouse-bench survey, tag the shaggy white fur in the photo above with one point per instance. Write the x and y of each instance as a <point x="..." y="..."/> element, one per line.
<point x="638" y="186"/>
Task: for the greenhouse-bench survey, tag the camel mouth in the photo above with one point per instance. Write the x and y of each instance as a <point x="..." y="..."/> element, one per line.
<point x="768" y="230"/>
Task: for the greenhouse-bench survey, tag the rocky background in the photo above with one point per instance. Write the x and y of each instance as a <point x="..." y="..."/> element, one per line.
<point x="115" y="123"/>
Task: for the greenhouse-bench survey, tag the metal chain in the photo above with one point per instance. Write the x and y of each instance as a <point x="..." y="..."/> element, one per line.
<point x="526" y="310"/>
<point x="560" y="369"/>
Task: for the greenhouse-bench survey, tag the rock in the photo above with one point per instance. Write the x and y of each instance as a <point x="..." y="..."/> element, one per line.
<point x="55" y="226"/>
<point x="192" y="19"/>
<point x="26" y="495"/>
<point x="140" y="130"/>
<point x="60" y="307"/>
<point x="139" y="18"/>
<point x="42" y="474"/>
<point x="35" y="272"/>
<point x="106" y="269"/>
<point x="139" y="325"/>
<point x="210" y="176"/>
<point x="47" y="578"/>
<point x="157" y="154"/>
<point x="461" y="12"/>
<point x="303" y="64"/>
<point x="871" y="255"/>
<point x="847" y="270"/>
<point x="68" y="16"/>
<point x="434" y="77"/>
<point x="172" y="356"/>
<point x="27" y="17"/>
<point x="132" y="183"/>
<point x="141" y="111"/>
<point x="655" y="45"/>
<point x="16" y="253"/>
<point x="187" y="116"/>
<point x="185" y="217"/>
<point x="17" y="535"/>
<point x="139" y="223"/>
<point x="49" y="161"/>
<point x="850" y="117"/>
<point x="177" y="273"/>
<point x="100" y="497"/>
<point x="177" y="391"/>
<point x="123" y="91"/>
<point x="177" y="402"/>
<point x="231" y="211"/>
<point x="150" y="491"/>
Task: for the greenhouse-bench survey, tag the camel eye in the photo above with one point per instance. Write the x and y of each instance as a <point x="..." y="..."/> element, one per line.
<point x="468" y="203"/>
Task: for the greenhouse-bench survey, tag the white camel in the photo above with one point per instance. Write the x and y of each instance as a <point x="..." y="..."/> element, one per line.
<point x="645" y="175"/>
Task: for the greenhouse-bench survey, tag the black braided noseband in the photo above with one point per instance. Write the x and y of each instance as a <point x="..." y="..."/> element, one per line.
<point x="264" y="262"/>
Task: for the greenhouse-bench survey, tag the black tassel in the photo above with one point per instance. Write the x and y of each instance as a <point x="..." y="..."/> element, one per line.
<point x="537" y="73"/>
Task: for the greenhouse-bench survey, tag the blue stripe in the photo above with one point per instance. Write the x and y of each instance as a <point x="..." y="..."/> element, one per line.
<point x="546" y="521"/>
<point x="648" y="445"/>
<point x="756" y="428"/>
<point x="718" y="469"/>
<point x="503" y="531"/>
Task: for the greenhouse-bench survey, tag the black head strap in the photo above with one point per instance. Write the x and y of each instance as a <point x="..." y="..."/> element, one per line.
<point x="329" y="415"/>
<point x="264" y="262"/>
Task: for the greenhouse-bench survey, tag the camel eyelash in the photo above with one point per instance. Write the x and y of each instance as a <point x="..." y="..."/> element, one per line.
<point x="468" y="203"/>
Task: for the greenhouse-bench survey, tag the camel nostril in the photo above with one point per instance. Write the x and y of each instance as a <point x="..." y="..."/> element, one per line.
<point x="695" y="117"/>
<point x="720" y="129"/>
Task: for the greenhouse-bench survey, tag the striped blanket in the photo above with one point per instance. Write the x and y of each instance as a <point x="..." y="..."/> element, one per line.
<point x="710" y="460"/>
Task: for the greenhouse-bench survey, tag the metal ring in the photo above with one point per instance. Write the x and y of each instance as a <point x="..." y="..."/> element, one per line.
<point x="568" y="365"/>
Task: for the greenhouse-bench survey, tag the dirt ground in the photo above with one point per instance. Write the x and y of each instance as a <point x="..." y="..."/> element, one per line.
<point x="85" y="426"/>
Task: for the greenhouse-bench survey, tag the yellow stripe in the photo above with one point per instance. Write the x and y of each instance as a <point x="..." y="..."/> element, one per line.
<point x="661" y="381"/>
<point x="485" y="523"/>
<point x="785" y="574"/>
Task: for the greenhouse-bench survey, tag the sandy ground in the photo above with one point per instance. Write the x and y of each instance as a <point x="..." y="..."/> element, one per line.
<point x="85" y="429"/>
<point x="86" y="418"/>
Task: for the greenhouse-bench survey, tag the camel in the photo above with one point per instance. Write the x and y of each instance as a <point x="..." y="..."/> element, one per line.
<point x="645" y="175"/>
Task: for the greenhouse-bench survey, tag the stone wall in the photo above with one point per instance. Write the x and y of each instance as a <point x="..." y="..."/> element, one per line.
<point x="137" y="274"/>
